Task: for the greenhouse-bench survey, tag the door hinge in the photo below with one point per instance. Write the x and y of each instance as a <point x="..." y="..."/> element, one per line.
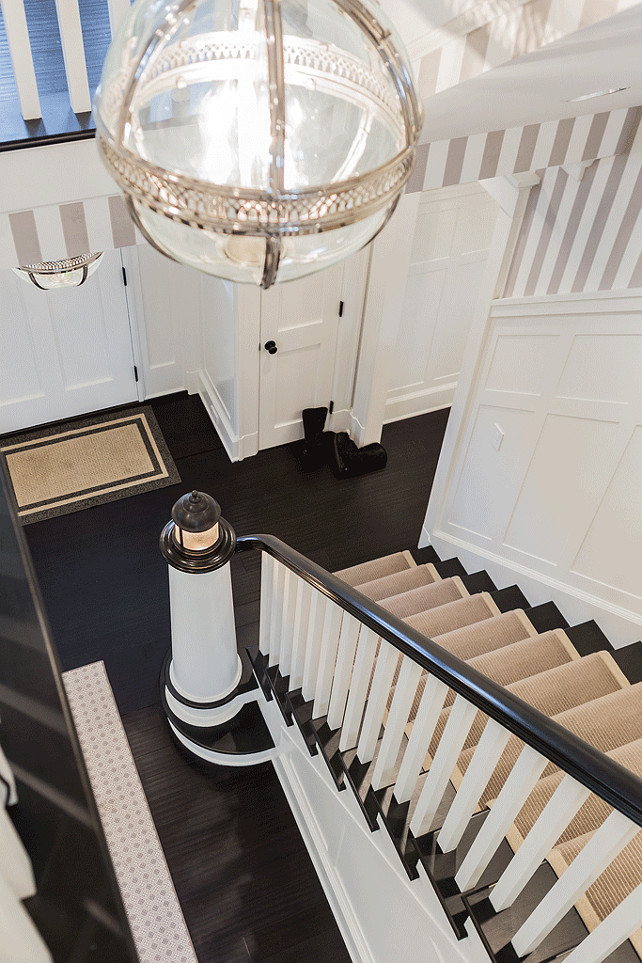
<point x="135" y="373"/>
<point x="340" y="309"/>
<point x="124" y="277"/>
<point x="331" y="408"/>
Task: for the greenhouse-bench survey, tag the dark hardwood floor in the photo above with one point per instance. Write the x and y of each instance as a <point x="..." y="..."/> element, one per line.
<point x="246" y="884"/>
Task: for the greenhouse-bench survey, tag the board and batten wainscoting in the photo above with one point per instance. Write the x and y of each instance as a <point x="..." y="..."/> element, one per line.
<point x="540" y="484"/>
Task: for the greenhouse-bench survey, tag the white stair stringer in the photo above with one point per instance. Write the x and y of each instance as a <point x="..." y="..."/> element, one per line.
<point x="381" y="913"/>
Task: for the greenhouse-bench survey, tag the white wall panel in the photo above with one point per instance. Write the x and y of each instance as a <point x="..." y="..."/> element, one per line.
<point x="449" y="250"/>
<point x="518" y="360"/>
<point x="610" y="552"/>
<point x="557" y="506"/>
<point x="602" y="367"/>
<point x="490" y="479"/>
<point x="569" y="467"/>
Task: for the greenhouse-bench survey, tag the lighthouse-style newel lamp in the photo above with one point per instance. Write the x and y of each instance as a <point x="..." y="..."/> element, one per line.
<point x="205" y="668"/>
<point x="211" y="712"/>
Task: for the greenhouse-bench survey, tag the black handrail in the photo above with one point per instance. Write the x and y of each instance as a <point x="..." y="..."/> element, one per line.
<point x="616" y="785"/>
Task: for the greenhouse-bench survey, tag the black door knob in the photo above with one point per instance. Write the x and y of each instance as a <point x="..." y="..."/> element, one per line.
<point x="270" y="347"/>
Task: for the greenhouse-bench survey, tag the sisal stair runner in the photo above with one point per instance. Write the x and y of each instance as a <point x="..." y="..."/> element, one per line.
<point x="589" y="695"/>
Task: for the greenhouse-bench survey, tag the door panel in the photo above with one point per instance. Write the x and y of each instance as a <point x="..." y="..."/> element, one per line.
<point x="301" y="317"/>
<point x="66" y="352"/>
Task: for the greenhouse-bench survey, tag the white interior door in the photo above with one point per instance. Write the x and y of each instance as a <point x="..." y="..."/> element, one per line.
<point x="64" y="353"/>
<point x="301" y="318"/>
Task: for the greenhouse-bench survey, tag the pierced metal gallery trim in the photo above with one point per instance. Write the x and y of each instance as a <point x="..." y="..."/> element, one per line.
<point x="64" y="266"/>
<point x="231" y="210"/>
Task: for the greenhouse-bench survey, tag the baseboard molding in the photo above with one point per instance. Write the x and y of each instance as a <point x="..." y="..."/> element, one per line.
<point x="620" y="625"/>
<point x="341" y="421"/>
<point x="200" y="383"/>
<point x="356" y="430"/>
<point x="419" y="403"/>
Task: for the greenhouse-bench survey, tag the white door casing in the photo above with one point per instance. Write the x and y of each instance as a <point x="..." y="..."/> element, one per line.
<point x="301" y="317"/>
<point x="65" y="352"/>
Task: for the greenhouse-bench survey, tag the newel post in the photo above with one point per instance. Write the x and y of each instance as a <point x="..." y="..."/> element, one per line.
<point x="206" y="698"/>
<point x="205" y="667"/>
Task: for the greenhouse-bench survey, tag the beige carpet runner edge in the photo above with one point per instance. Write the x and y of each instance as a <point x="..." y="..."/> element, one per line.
<point x="588" y="695"/>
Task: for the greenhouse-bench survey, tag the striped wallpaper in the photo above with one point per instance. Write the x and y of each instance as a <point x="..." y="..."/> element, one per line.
<point x="65" y="230"/>
<point x="501" y="152"/>
<point x="582" y="235"/>
<point x="500" y="32"/>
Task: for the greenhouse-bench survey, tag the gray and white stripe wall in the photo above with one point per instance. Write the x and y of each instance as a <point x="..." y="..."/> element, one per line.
<point x="65" y="230"/>
<point x="518" y="149"/>
<point x="581" y="235"/>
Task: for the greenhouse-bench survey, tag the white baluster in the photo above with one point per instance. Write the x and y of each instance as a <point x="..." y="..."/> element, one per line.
<point x="117" y="10"/>
<point x="569" y="796"/>
<point x="514" y="793"/>
<point x="487" y="754"/>
<point x="327" y="657"/>
<point x="21" y="942"/>
<point x="431" y="704"/>
<point x="318" y="604"/>
<point x="8" y="797"/>
<point x="267" y="591"/>
<point x="276" y="616"/>
<point x="612" y="836"/>
<point x="611" y="933"/>
<point x="287" y="622"/>
<point x="350" y="628"/>
<point x="362" y="672"/>
<point x="300" y="632"/>
<point x="450" y="745"/>
<point x="13" y="13"/>
<point x="384" y="673"/>
<point x="73" y="52"/>
<point x="15" y="865"/>
<point x="405" y="691"/>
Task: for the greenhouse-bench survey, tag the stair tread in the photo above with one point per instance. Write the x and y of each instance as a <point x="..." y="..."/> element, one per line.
<point x="546" y="616"/>
<point x="376" y="568"/>
<point x="479" y="582"/>
<point x="454" y="615"/>
<point x="589" y="817"/>
<point x="621" y="877"/>
<point x="606" y="723"/>
<point x="552" y="691"/>
<point x="389" y="585"/>
<point x="629" y="659"/>
<point x="509" y="598"/>
<point x="588" y="637"/>
<point x="425" y="597"/>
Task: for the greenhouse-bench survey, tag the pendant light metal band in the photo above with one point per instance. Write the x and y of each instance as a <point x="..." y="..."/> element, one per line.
<point x="276" y="86"/>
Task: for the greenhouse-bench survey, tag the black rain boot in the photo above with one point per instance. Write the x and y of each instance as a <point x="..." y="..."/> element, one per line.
<point x="313" y="448"/>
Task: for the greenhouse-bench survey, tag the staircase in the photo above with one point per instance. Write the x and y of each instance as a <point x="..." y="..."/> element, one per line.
<point x="542" y="860"/>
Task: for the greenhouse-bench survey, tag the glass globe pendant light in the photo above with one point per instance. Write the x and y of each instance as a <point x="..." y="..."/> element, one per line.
<point x="258" y="140"/>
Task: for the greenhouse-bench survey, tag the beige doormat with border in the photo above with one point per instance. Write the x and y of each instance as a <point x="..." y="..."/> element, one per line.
<point x="151" y="904"/>
<point x="73" y="465"/>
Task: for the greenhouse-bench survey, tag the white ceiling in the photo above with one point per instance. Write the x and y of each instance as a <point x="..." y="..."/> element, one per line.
<point x="535" y="87"/>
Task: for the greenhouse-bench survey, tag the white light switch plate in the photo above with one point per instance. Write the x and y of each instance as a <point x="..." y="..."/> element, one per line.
<point x="498" y="437"/>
